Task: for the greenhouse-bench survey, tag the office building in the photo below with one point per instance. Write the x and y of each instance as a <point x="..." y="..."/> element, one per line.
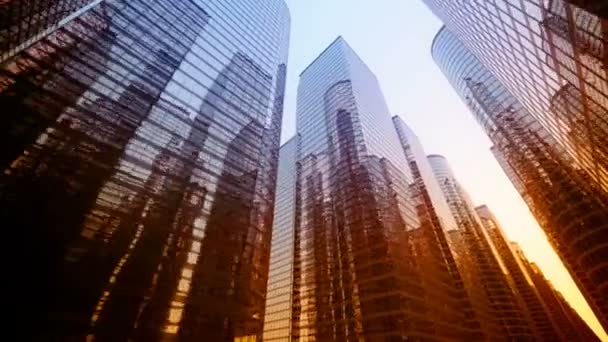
<point x="144" y="143"/>
<point x="571" y="325"/>
<point x="435" y="212"/>
<point x="365" y="265"/>
<point x="24" y="21"/>
<point x="599" y="8"/>
<point x="561" y="194"/>
<point x="277" y="322"/>
<point x="556" y="70"/>
<point x="545" y="328"/>
<point x="473" y="247"/>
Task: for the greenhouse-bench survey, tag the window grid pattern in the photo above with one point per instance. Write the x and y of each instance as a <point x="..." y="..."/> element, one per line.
<point x="144" y="145"/>
<point x="537" y="49"/>
<point x="569" y="207"/>
<point x="365" y="266"/>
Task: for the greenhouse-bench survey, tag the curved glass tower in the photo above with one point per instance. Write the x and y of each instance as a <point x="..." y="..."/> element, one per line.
<point x="480" y="264"/>
<point x="366" y="266"/>
<point x="551" y="56"/>
<point x="144" y="139"/>
<point x="572" y="212"/>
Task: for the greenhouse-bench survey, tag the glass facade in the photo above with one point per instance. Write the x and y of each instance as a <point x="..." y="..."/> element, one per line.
<point x="483" y="270"/>
<point x="435" y="214"/>
<point x="571" y="325"/>
<point x="544" y="328"/>
<point x="277" y="321"/>
<point x="559" y="191"/>
<point x="365" y="265"/>
<point x="24" y="21"/>
<point x="143" y="151"/>
<point x="536" y="49"/>
<point x="599" y="8"/>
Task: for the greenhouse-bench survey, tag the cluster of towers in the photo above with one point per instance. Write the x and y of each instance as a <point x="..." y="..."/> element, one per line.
<point x="374" y="239"/>
<point x="143" y="184"/>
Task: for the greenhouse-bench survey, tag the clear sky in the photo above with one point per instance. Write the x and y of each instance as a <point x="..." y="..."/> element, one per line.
<point x="394" y="37"/>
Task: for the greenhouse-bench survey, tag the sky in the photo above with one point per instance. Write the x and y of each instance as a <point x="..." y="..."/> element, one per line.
<point x="394" y="38"/>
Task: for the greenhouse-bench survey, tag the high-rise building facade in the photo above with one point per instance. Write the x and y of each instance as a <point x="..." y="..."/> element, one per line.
<point x="435" y="211"/>
<point x="571" y="325"/>
<point x="144" y="145"/>
<point x="481" y="262"/>
<point x="560" y="193"/>
<point x="24" y="21"/>
<point x="545" y="327"/>
<point x="365" y="265"/>
<point x="555" y="69"/>
<point x="599" y="8"/>
<point x="277" y="322"/>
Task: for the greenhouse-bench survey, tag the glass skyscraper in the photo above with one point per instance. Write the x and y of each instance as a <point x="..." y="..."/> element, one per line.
<point x="551" y="56"/>
<point x="365" y="266"/>
<point x="436" y="214"/>
<point x="277" y="322"/>
<point x="559" y="191"/>
<point x="545" y="326"/>
<point x="481" y="264"/>
<point x="142" y="149"/>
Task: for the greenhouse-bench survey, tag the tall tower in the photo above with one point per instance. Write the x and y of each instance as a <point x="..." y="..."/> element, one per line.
<point x="545" y="328"/>
<point x="277" y="322"/>
<point x="141" y="172"/>
<point x="434" y="211"/>
<point x="556" y="71"/>
<point x="365" y="267"/>
<point x="472" y="241"/>
<point x="566" y="202"/>
<point x="571" y="325"/>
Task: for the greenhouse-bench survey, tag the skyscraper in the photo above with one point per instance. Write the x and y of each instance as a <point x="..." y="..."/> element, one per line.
<point x="571" y="325"/>
<point x="365" y="266"/>
<point x="545" y="327"/>
<point x="556" y="70"/>
<point x="435" y="212"/>
<point x="481" y="260"/>
<point x="561" y="194"/>
<point x="144" y="146"/>
<point x="277" y="322"/>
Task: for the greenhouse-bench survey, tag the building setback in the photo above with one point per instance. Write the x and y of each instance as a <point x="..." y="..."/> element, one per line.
<point x="561" y="194"/>
<point x="143" y="149"/>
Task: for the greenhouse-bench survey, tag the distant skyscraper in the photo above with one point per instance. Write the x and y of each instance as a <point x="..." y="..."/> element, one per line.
<point x="141" y="172"/>
<point x="556" y="70"/>
<point x="435" y="212"/>
<point x="594" y="6"/>
<point x="571" y="325"/>
<point x="545" y="328"/>
<point x="570" y="209"/>
<point x="480" y="262"/>
<point x="277" y="323"/>
<point x="365" y="265"/>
